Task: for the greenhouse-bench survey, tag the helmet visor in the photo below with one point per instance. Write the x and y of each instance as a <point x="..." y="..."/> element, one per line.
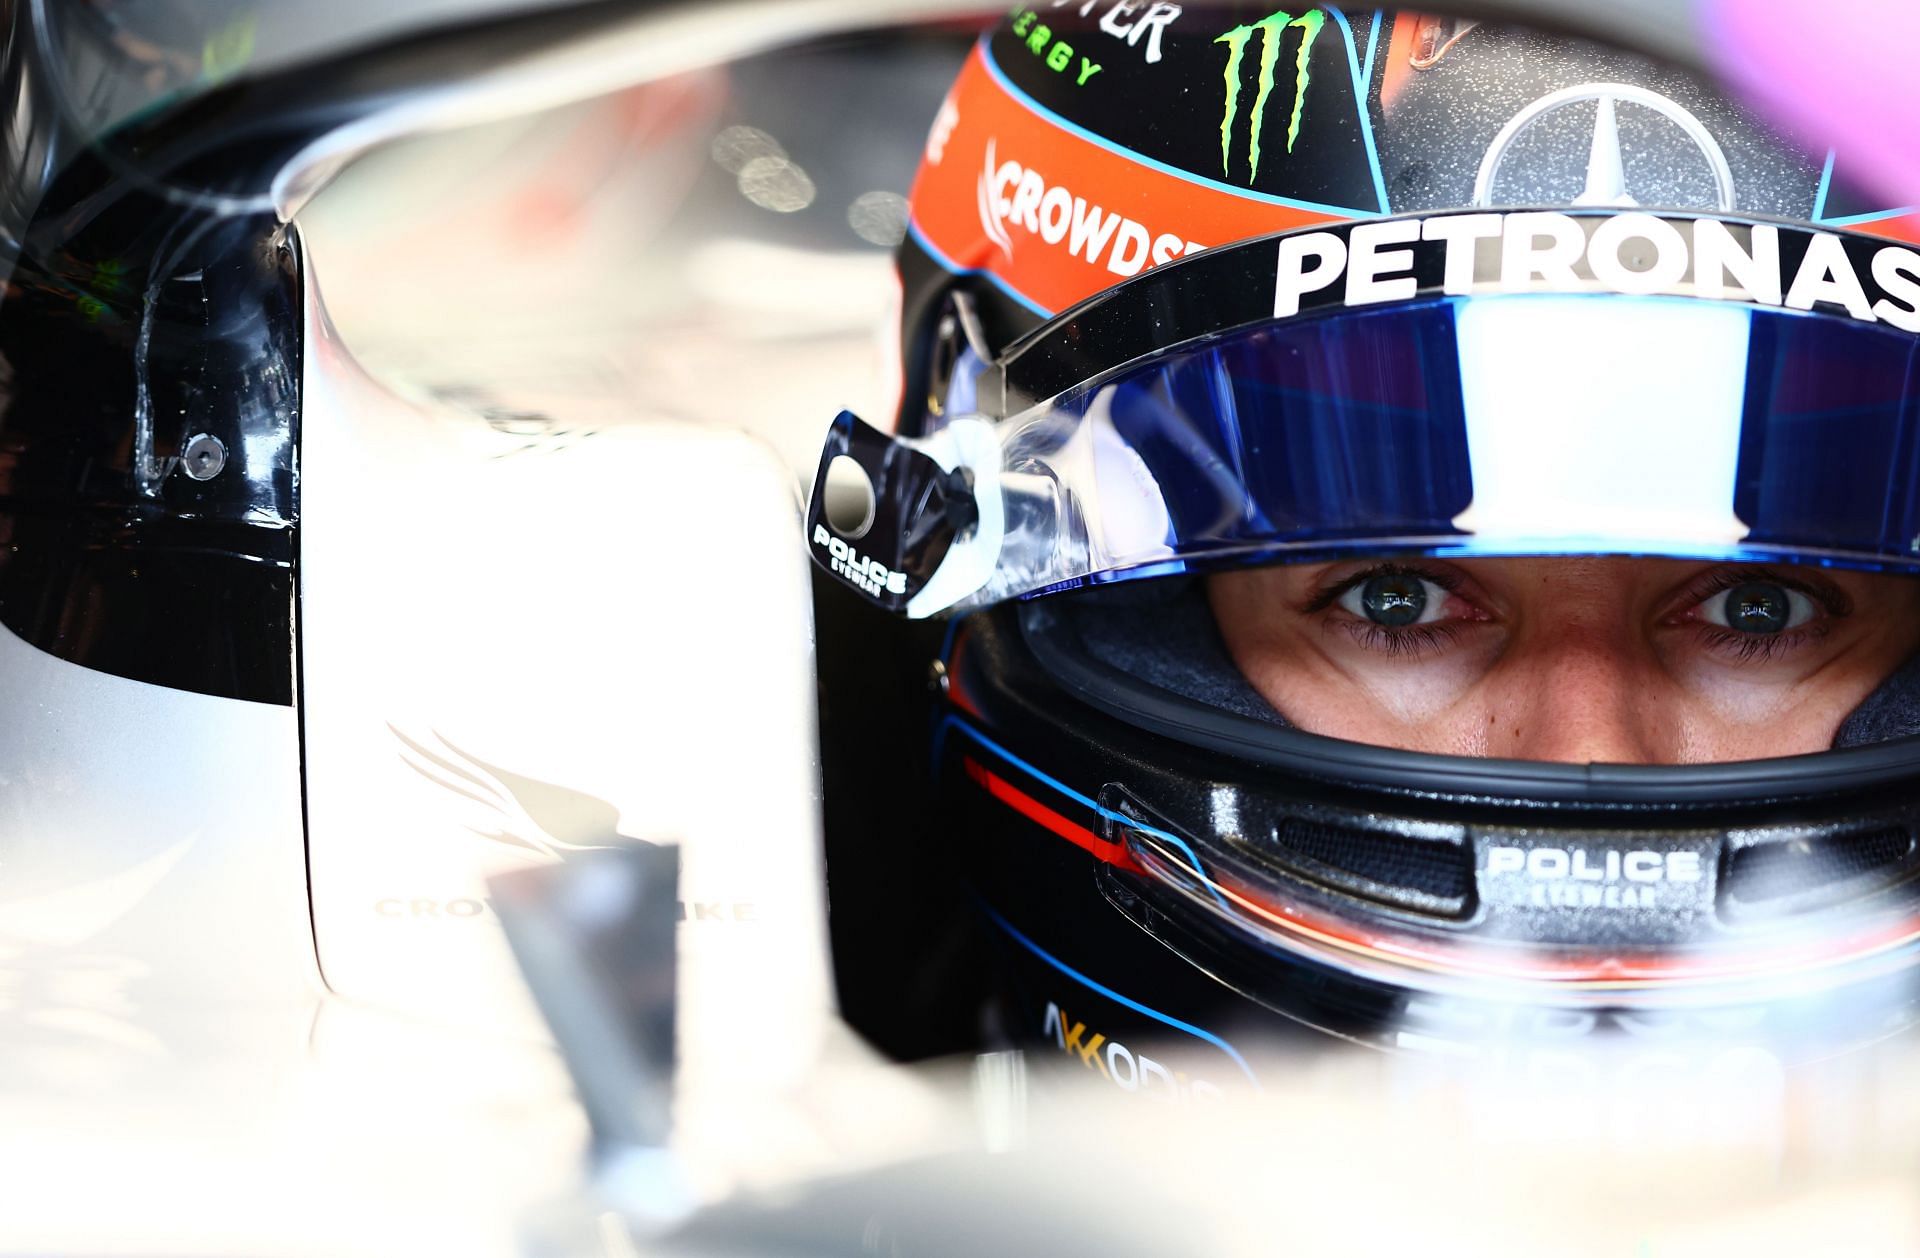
<point x="1532" y="418"/>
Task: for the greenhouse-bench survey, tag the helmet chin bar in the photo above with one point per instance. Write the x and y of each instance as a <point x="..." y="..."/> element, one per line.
<point x="1580" y="918"/>
<point x="1377" y="911"/>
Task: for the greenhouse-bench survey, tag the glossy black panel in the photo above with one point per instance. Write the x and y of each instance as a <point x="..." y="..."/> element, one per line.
<point x="132" y="327"/>
<point x="150" y="367"/>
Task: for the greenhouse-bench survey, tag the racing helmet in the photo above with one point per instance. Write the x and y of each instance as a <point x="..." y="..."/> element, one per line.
<point x="1192" y="288"/>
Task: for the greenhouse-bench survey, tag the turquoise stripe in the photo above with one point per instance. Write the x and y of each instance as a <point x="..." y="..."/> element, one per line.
<point x="1362" y="81"/>
<point x="948" y="264"/>
<point x="1826" y="182"/>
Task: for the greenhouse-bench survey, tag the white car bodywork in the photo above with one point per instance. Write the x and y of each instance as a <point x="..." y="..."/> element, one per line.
<point x="240" y="985"/>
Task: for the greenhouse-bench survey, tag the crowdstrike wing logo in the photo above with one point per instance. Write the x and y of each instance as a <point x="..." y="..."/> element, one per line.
<point x="1272" y="33"/>
<point x="516" y="811"/>
<point x="991" y="220"/>
<point x="1606" y="180"/>
<point x="1013" y="196"/>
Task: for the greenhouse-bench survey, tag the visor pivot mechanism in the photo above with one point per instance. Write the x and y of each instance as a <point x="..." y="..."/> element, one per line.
<point x="910" y="509"/>
<point x="961" y="510"/>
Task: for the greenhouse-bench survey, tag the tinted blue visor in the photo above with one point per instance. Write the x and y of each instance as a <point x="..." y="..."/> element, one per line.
<point x="1484" y="423"/>
<point x="1482" y="426"/>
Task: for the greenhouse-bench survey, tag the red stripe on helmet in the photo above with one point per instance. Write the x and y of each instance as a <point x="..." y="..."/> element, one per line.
<point x="1035" y="811"/>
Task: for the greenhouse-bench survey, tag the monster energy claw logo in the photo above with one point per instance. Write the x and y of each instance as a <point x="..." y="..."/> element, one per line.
<point x="1273" y="32"/>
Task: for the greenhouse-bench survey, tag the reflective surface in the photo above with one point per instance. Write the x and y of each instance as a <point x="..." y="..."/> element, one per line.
<point x="1463" y="427"/>
<point x="607" y="263"/>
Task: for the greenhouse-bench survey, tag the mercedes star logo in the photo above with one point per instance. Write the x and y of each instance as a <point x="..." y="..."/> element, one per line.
<point x="1606" y="172"/>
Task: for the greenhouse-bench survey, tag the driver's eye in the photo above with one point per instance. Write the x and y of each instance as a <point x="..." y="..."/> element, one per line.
<point x="1396" y="600"/>
<point x="1760" y="608"/>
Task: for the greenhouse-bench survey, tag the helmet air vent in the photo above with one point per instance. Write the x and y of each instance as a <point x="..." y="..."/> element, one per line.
<point x="1805" y="871"/>
<point x="1426" y="875"/>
